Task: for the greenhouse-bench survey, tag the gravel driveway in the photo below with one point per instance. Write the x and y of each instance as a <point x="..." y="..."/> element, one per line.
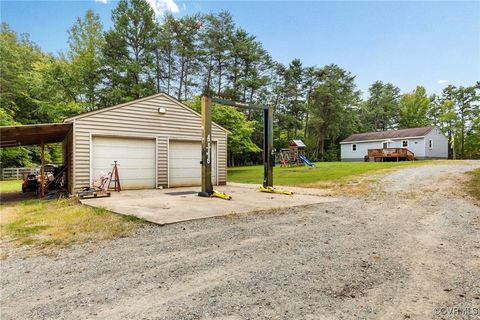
<point x="404" y="250"/>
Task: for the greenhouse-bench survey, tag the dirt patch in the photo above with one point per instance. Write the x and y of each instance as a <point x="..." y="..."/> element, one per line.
<point x="11" y="197"/>
<point x="397" y="252"/>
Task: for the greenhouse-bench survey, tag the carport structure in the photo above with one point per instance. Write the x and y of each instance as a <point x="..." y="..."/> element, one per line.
<point x="40" y="134"/>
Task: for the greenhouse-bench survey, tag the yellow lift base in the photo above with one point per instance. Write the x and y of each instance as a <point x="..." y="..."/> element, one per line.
<point x="274" y="190"/>
<point x="221" y="195"/>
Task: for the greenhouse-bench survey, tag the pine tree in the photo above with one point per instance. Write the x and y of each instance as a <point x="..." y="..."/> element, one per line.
<point x="380" y="111"/>
<point x="129" y="51"/>
<point x="468" y="110"/>
<point x="331" y="102"/>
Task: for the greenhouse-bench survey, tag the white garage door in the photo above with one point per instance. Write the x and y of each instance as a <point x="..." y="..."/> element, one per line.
<point x="184" y="163"/>
<point x="135" y="158"/>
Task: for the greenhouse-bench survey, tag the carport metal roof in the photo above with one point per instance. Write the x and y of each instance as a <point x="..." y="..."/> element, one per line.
<point x="33" y="134"/>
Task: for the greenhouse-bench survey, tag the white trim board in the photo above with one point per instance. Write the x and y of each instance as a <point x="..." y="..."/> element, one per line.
<point x="381" y="140"/>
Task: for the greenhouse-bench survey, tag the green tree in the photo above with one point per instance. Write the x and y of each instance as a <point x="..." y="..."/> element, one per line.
<point x="468" y="110"/>
<point x="239" y="144"/>
<point x="414" y="108"/>
<point x="380" y="111"/>
<point x="129" y="52"/>
<point x="217" y="29"/>
<point x="86" y="39"/>
<point x="15" y="156"/>
<point x="472" y="139"/>
<point x="18" y="56"/>
<point x="312" y="77"/>
<point x="248" y="68"/>
<point x="36" y="88"/>
<point x="293" y="111"/>
<point x="332" y="101"/>
<point x="165" y="54"/>
<point x="53" y="88"/>
<point x="434" y="110"/>
<point x="186" y="46"/>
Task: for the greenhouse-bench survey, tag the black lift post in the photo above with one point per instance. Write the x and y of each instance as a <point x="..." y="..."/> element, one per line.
<point x="268" y="155"/>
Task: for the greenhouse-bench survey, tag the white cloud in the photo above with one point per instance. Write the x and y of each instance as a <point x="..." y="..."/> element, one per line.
<point x="162" y="6"/>
<point x="442" y="81"/>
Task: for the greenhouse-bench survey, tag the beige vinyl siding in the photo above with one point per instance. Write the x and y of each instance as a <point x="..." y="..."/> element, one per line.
<point x="141" y="119"/>
<point x="68" y="159"/>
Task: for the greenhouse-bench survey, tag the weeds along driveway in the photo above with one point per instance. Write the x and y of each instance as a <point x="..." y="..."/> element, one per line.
<point x="393" y="254"/>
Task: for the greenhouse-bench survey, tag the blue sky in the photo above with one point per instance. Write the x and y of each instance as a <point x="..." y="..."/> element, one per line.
<point x="407" y="43"/>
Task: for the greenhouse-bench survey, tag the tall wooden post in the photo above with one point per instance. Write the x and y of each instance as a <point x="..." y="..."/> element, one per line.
<point x="268" y="157"/>
<point x="42" y="170"/>
<point x="207" y="188"/>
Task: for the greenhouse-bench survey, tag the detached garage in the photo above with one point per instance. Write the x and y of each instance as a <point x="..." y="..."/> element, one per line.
<point x="156" y="142"/>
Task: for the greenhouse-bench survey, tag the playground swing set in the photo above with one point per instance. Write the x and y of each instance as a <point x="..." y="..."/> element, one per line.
<point x="293" y="155"/>
<point x="268" y="151"/>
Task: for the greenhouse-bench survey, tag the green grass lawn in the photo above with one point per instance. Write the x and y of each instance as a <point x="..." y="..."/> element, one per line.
<point x="11" y="186"/>
<point x="46" y="224"/>
<point x="323" y="171"/>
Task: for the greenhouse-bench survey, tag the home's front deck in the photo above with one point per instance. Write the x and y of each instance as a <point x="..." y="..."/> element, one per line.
<point x="389" y="154"/>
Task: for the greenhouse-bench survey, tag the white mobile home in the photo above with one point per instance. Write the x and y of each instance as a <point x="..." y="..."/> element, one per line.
<point x="424" y="143"/>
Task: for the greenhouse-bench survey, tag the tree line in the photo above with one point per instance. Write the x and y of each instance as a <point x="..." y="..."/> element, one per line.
<point x="185" y="57"/>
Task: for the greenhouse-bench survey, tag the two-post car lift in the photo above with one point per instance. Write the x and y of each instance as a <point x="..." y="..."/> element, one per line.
<point x="268" y="153"/>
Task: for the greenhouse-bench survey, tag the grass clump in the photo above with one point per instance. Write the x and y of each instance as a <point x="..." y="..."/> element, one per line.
<point x="473" y="185"/>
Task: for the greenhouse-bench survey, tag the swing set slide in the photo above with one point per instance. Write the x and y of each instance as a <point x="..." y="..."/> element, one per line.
<point x="306" y="161"/>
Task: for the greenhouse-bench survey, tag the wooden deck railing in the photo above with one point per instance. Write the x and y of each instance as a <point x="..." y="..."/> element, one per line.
<point x="391" y="153"/>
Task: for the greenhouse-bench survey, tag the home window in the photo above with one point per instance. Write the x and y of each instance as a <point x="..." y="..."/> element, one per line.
<point x="430" y="144"/>
<point x="354" y="147"/>
<point x="405" y="143"/>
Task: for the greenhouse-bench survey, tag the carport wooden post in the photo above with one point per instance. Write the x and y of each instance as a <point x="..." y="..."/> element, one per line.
<point x="42" y="170"/>
<point x="268" y="157"/>
<point x="207" y="188"/>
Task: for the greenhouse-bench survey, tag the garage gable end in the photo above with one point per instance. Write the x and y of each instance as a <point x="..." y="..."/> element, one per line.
<point x="157" y="101"/>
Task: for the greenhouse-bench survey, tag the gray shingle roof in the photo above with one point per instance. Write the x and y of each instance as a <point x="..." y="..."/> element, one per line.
<point x="390" y="134"/>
